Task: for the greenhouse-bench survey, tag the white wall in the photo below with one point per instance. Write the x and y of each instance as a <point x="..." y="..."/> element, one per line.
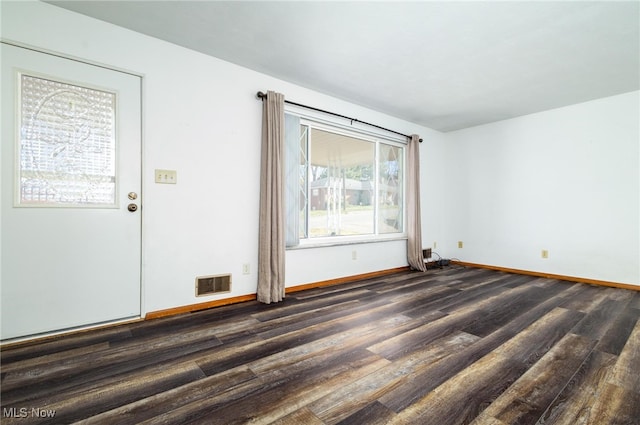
<point x="202" y="119"/>
<point x="564" y="180"/>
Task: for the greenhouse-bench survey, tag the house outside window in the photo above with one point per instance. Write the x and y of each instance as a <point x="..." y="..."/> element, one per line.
<point x="346" y="186"/>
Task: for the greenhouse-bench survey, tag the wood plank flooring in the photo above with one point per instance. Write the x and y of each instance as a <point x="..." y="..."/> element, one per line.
<point x="451" y="346"/>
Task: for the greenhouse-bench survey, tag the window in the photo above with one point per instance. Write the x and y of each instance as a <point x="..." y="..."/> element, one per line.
<point x="67" y="148"/>
<point x="341" y="185"/>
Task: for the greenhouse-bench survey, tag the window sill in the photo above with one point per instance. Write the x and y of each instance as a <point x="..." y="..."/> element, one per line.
<point x="344" y="240"/>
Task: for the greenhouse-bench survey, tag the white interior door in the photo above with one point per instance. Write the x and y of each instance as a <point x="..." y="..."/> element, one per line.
<point x="71" y="156"/>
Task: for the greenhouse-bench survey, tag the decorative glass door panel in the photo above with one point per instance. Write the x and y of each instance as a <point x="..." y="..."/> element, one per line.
<point x="67" y="146"/>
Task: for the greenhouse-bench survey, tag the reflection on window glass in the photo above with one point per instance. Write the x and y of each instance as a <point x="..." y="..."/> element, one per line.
<point x="342" y="185"/>
<point x="303" y="181"/>
<point x="390" y="189"/>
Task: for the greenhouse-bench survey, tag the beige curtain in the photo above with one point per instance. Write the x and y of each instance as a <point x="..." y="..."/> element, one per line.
<point x="414" y="228"/>
<point x="271" y="242"/>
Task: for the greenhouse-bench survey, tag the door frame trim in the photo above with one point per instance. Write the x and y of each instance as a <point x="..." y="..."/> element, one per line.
<point x="61" y="55"/>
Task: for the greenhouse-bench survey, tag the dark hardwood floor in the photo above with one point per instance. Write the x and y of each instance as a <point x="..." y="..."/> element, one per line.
<point x="451" y="346"/>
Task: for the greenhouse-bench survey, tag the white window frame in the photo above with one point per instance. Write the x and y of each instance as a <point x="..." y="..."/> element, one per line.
<point x="369" y="135"/>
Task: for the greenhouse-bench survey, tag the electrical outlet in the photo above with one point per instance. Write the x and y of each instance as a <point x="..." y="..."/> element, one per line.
<point x="435" y="245"/>
<point x="545" y="253"/>
<point x="246" y="268"/>
<point x="166" y="176"/>
<point x="459" y="244"/>
<point x="354" y="255"/>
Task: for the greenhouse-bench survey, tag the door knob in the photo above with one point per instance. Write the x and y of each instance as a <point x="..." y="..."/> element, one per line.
<point x="132" y="207"/>
<point x="133" y="195"/>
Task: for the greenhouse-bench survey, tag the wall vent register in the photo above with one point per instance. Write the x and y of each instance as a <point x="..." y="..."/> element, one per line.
<point x="207" y="285"/>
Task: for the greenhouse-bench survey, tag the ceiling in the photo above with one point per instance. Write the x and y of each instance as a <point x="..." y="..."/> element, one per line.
<point x="444" y="65"/>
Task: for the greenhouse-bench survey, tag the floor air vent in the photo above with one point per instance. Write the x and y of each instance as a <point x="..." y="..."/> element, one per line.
<point x="207" y="285"/>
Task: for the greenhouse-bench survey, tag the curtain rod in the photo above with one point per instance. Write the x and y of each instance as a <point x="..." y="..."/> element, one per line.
<point x="262" y="95"/>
